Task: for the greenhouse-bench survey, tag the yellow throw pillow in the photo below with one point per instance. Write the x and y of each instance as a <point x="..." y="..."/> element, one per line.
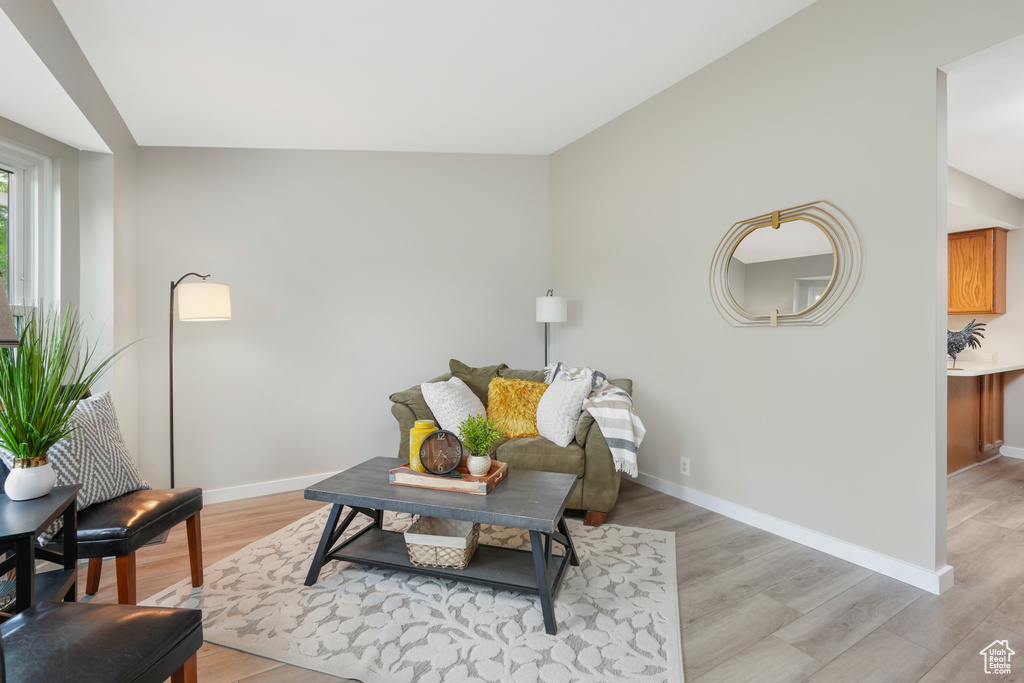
<point x="512" y="403"/>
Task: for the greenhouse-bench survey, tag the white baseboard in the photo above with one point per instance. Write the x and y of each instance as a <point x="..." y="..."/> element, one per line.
<point x="261" y="489"/>
<point x="1012" y="452"/>
<point x="933" y="582"/>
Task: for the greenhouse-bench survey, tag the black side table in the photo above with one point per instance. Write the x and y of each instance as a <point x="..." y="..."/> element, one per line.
<point x="21" y="522"/>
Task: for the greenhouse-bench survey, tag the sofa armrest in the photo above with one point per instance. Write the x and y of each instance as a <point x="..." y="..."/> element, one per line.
<point x="586" y="420"/>
<point x="583" y="427"/>
<point x="409" y="406"/>
<point x="601" y="480"/>
<point x="406" y="419"/>
<point x="624" y="384"/>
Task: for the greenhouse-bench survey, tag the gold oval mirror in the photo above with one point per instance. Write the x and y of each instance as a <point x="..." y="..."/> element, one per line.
<point x="787" y="269"/>
<point x="797" y="266"/>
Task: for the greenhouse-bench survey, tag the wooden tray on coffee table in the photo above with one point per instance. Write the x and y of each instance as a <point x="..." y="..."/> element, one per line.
<point x="467" y="483"/>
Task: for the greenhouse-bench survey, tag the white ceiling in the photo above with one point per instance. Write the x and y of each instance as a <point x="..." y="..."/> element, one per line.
<point x="793" y="239"/>
<point x="31" y="96"/>
<point x="521" y="77"/>
<point x="446" y="76"/>
<point x="986" y="115"/>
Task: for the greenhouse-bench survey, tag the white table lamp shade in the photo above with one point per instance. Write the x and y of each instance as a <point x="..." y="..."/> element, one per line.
<point x="551" y="309"/>
<point x="204" y="301"/>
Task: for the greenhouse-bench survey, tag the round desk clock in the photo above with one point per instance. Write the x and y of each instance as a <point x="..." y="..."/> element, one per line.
<point x="441" y="453"/>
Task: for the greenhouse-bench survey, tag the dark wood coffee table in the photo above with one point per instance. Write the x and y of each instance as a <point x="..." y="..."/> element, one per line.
<point x="534" y="501"/>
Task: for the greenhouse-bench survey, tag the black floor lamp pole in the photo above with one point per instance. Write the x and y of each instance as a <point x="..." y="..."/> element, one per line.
<point x="170" y="355"/>
<point x="547" y="326"/>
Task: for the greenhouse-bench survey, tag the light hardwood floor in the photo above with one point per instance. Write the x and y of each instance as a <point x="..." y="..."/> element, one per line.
<point x="753" y="606"/>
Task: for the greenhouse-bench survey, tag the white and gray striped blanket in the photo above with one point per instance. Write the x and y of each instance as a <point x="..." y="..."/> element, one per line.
<point x="612" y="410"/>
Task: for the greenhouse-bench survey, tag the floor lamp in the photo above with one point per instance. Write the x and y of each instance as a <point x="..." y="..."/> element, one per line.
<point x="196" y="301"/>
<point x="550" y="309"/>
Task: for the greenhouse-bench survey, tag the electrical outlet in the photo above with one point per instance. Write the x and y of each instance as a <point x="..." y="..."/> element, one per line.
<point x="684" y="466"/>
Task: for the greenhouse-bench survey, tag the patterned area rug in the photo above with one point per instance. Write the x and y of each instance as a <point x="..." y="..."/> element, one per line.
<point x="617" y="613"/>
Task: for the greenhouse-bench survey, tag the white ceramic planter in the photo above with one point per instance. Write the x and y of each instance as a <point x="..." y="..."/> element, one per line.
<point x="26" y="483"/>
<point x="478" y="465"/>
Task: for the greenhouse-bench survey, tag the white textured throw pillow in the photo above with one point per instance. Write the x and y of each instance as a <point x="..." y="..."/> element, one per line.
<point x="560" y="407"/>
<point x="452" y="402"/>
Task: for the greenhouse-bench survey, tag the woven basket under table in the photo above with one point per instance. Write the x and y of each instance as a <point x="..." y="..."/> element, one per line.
<point x="438" y="542"/>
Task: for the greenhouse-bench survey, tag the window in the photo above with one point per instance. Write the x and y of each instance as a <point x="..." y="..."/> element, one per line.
<point x="5" y="218"/>
<point x="29" y="259"/>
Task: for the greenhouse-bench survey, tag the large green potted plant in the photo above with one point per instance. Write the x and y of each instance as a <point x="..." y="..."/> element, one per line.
<point x="479" y="436"/>
<point x="41" y="383"/>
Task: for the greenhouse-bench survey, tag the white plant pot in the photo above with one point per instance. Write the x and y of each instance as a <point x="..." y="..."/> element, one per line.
<point x="479" y="465"/>
<point x="26" y="483"/>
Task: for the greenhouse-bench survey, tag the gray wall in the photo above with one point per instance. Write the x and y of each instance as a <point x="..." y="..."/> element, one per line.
<point x="325" y="253"/>
<point x="112" y="295"/>
<point x="837" y="429"/>
<point x="353" y="275"/>
<point x="769" y="285"/>
<point x="737" y="281"/>
<point x="97" y="255"/>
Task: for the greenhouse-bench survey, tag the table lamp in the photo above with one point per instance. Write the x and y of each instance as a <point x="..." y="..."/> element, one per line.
<point x="550" y="309"/>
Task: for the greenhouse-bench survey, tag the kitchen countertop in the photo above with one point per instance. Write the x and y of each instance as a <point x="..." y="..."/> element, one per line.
<point x="977" y="368"/>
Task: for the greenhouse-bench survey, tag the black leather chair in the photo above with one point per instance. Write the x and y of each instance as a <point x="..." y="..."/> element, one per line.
<point x="118" y="527"/>
<point x="121" y="526"/>
<point x="91" y="643"/>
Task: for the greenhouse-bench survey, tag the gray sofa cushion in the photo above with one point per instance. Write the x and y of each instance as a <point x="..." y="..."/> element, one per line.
<point x="538" y="454"/>
<point x="525" y="375"/>
<point x="476" y="378"/>
<point x="413" y="398"/>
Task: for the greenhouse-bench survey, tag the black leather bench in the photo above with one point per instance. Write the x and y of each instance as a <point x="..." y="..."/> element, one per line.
<point x="120" y="526"/>
<point x="92" y="643"/>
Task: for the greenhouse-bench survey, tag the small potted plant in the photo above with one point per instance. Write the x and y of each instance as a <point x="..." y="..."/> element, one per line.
<point x="41" y="383"/>
<point x="479" y="436"/>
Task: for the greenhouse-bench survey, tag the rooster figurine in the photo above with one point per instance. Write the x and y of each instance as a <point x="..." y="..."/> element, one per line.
<point x="958" y="341"/>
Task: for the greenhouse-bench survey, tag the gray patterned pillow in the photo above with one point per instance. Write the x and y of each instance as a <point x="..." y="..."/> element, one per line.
<point x="95" y="456"/>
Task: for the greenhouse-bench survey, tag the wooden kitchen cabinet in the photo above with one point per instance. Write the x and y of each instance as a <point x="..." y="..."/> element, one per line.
<point x="977" y="271"/>
<point x="974" y="420"/>
<point x="990" y="415"/>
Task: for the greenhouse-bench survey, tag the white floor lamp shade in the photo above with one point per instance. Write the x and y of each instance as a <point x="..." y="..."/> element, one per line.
<point x="551" y="309"/>
<point x="204" y="301"/>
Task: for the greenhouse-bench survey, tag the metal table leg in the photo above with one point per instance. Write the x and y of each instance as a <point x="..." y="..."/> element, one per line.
<point x="332" y="532"/>
<point x="566" y="540"/>
<point x="71" y="548"/>
<point x="543" y="587"/>
<point x="25" y="573"/>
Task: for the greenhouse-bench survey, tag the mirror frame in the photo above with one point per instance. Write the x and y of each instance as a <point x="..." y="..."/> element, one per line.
<point x="847" y="266"/>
